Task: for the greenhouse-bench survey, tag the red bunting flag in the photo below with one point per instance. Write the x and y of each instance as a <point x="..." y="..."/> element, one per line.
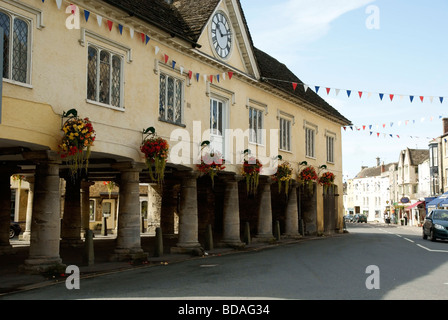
<point x="190" y="74"/>
<point x="421" y="98"/>
<point x="294" y="86"/>
<point x="166" y="58"/>
<point x="230" y="75"/>
<point x="110" y="24"/>
<point x="328" y="90"/>
<point x="391" y="97"/>
<point x="211" y="79"/>
<point x="143" y="38"/>
<point x="360" y="94"/>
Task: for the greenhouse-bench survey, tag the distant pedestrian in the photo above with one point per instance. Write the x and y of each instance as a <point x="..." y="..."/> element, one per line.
<point x="405" y="219"/>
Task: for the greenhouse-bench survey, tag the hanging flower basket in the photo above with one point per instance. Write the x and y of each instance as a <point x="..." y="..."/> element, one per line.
<point x="326" y="180"/>
<point x="110" y="185"/>
<point x="211" y="164"/>
<point x="251" y="171"/>
<point x="156" y="151"/>
<point x="78" y="137"/>
<point x="308" y="176"/>
<point x="283" y="176"/>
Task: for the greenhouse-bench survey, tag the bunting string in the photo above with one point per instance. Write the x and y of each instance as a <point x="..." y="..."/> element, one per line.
<point x="363" y="94"/>
<point x="144" y="38"/>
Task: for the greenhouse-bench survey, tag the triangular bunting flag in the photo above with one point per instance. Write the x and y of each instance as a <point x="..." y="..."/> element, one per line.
<point x="173" y="64"/>
<point x="58" y="3"/>
<point x="441" y="99"/>
<point x="166" y="58"/>
<point x="86" y="15"/>
<point x="337" y="91"/>
<point x="211" y="79"/>
<point x="294" y="86"/>
<point x="305" y="87"/>
<point x="99" y="19"/>
<point x="120" y="28"/>
<point x="223" y="76"/>
<point x="217" y="77"/>
<point x="156" y="50"/>
<point x="360" y="94"/>
<point x="143" y="36"/>
<point x="110" y="24"/>
<point x="381" y="96"/>
<point x="197" y="76"/>
<point x="230" y="75"/>
<point x="131" y="33"/>
<point x="411" y="98"/>
<point x="147" y="39"/>
<point x="328" y="90"/>
<point x="421" y="98"/>
<point x="349" y="92"/>
<point x="190" y="74"/>
<point x="317" y="88"/>
<point x="181" y="70"/>
<point x="391" y="96"/>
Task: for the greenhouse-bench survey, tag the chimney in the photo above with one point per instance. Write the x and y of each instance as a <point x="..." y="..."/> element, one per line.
<point x="378" y="163"/>
<point x="383" y="167"/>
<point x="445" y="125"/>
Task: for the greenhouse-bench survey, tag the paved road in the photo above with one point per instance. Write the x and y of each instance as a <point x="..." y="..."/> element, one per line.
<point x="407" y="267"/>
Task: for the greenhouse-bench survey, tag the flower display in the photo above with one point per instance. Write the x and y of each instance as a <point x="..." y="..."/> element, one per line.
<point x="110" y="185"/>
<point x="79" y="136"/>
<point x="156" y="151"/>
<point x="251" y="171"/>
<point x="283" y="176"/>
<point x="308" y="176"/>
<point x="326" y="180"/>
<point x="211" y="164"/>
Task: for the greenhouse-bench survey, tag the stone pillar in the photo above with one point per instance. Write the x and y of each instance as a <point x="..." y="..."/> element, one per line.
<point x="231" y="212"/>
<point x="5" y="210"/>
<point x="85" y="205"/>
<point x="29" y="210"/>
<point x="46" y="220"/>
<point x="264" y="230"/>
<point x="188" y="214"/>
<point x="128" y="245"/>
<point x="292" y="213"/>
<point x="71" y="220"/>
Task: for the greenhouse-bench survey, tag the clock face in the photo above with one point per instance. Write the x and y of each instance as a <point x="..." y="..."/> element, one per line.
<point x="221" y="35"/>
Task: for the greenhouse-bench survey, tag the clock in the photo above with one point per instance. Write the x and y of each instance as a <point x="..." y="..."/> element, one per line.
<point x="221" y="35"/>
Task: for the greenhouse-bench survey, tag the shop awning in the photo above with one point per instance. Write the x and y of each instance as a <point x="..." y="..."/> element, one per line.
<point x="438" y="201"/>
<point x="415" y="204"/>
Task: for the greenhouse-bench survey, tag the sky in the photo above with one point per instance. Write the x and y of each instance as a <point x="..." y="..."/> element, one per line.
<point x="392" y="47"/>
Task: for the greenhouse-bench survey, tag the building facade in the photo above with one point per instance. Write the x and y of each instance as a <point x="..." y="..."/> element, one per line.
<point x="187" y="69"/>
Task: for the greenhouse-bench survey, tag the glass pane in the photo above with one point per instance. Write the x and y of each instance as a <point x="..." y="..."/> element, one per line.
<point x="178" y="102"/>
<point x="91" y="73"/>
<point x="214" y="117"/>
<point x="251" y="125"/>
<point x="259" y="127"/>
<point x="162" y="97"/>
<point x="20" y="51"/>
<point x="116" y="81"/>
<point x="104" y="77"/>
<point x="5" y="23"/>
<point x="170" y="101"/>
<point x="144" y="209"/>
<point x="220" y="124"/>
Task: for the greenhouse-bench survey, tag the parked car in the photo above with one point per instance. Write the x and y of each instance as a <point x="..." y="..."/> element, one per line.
<point x="14" y="229"/>
<point x="436" y="225"/>
<point x="348" y="218"/>
<point x="360" y="218"/>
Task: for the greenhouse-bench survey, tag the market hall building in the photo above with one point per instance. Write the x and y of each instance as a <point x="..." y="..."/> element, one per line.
<point x="184" y="71"/>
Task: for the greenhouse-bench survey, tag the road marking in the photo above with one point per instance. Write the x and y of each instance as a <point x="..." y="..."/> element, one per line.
<point x="432" y="250"/>
<point x="409" y="240"/>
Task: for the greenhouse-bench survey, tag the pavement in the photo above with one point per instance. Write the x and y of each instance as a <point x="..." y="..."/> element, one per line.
<point x="13" y="280"/>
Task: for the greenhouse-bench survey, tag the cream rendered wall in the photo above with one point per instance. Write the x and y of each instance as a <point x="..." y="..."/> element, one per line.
<point x="59" y="77"/>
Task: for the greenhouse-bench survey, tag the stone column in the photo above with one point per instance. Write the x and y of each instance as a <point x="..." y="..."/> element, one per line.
<point x="5" y="210"/>
<point x="46" y="221"/>
<point x="292" y="213"/>
<point x="85" y="205"/>
<point x="264" y="231"/>
<point x="188" y="215"/>
<point x="231" y="213"/>
<point x="71" y="220"/>
<point x="29" y="210"/>
<point x="128" y="245"/>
